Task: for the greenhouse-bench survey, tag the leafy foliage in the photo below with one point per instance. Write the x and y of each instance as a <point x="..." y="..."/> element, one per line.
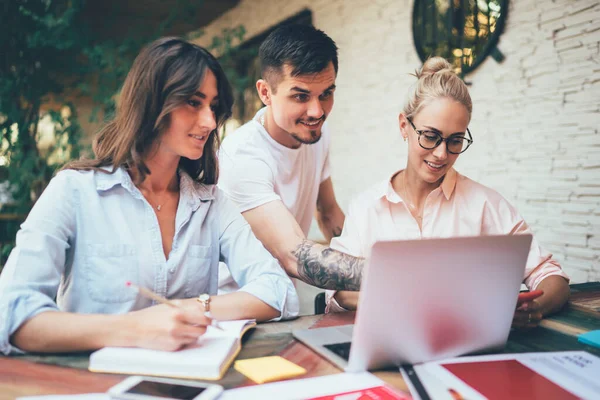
<point x="50" y="58"/>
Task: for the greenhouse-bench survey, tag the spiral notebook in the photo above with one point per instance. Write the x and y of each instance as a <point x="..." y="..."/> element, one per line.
<point x="208" y="359"/>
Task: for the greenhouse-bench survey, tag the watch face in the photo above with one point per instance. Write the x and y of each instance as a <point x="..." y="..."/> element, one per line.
<point x="204" y="297"/>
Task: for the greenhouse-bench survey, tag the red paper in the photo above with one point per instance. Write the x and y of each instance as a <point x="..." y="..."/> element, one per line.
<point x="507" y="379"/>
<point x="374" y="393"/>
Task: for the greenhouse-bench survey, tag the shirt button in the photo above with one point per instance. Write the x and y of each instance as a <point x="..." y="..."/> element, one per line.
<point x="172" y="271"/>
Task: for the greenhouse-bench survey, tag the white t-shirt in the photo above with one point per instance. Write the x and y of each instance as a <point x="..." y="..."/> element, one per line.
<point x="255" y="170"/>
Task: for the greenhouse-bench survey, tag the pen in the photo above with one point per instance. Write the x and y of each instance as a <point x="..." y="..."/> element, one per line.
<point x="151" y="295"/>
<point x="455" y="395"/>
<point x="416" y="382"/>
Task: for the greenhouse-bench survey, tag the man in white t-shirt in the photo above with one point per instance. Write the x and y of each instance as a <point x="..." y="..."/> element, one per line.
<point x="276" y="166"/>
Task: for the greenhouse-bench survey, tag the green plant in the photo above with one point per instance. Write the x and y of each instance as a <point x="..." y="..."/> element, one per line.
<point x="39" y="39"/>
<point x="50" y="59"/>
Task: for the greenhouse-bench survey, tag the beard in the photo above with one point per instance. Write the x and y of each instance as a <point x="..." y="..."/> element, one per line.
<point x="315" y="135"/>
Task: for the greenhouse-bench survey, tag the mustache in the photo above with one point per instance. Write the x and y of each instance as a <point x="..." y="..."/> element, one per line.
<point x="312" y="120"/>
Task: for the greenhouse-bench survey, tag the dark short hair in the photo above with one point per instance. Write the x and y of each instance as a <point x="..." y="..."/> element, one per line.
<point x="306" y="49"/>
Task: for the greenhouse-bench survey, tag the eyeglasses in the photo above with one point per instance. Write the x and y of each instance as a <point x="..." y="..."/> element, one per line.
<point x="454" y="144"/>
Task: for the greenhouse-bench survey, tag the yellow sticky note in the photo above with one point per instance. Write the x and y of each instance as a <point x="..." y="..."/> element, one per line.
<point x="268" y="369"/>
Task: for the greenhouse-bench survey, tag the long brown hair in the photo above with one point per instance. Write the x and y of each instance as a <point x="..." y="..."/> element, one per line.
<point x="165" y="74"/>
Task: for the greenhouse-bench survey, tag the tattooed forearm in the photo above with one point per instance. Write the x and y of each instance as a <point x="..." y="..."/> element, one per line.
<point x="326" y="268"/>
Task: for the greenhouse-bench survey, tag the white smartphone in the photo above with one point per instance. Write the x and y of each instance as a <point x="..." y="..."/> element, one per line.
<point x="147" y="388"/>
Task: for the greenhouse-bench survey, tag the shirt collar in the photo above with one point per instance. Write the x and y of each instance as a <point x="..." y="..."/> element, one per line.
<point x="106" y="178"/>
<point x="190" y="189"/>
<point x="387" y="190"/>
<point x="449" y="183"/>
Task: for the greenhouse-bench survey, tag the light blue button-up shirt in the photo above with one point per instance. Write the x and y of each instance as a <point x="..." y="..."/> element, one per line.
<point x="90" y="232"/>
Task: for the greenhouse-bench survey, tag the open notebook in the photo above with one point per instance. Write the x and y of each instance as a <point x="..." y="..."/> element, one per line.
<point x="208" y="359"/>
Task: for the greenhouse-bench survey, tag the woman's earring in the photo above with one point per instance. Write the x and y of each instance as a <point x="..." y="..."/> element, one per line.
<point x="404" y="139"/>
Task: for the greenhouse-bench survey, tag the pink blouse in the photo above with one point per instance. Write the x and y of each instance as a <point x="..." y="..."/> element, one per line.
<point x="458" y="207"/>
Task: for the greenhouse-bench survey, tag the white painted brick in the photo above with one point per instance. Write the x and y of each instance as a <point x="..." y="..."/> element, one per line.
<point x="589" y="175"/>
<point x="580" y="20"/>
<point x="574" y="236"/>
<point x="573" y="253"/>
<point x="591" y="164"/>
<point x="551" y="15"/>
<point x="583" y="191"/>
<point x="576" y="275"/>
<point x="575" y="54"/>
<point x="569" y="164"/>
<point x="574" y="31"/>
<point x="571" y="43"/>
<point x="594" y="242"/>
<point x="594" y="274"/>
<point x="576" y="220"/>
<point x="578" y="75"/>
<point x="583" y="96"/>
<point x="592" y="139"/>
<point x="563" y="179"/>
<point x="579" y="208"/>
<point x="581" y="6"/>
<point x="589" y="155"/>
<point x="550" y="27"/>
<point x="535" y="116"/>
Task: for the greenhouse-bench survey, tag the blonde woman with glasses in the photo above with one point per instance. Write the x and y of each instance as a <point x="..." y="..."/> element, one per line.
<point x="430" y="199"/>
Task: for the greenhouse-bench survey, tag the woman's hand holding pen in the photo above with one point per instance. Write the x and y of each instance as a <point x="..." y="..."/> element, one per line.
<point x="163" y="327"/>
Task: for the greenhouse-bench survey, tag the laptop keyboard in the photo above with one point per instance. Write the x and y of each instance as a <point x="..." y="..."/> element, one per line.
<point x="341" y="349"/>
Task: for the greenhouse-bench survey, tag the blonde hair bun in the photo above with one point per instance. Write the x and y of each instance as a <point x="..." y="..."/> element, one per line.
<point x="436" y="79"/>
<point x="434" y="65"/>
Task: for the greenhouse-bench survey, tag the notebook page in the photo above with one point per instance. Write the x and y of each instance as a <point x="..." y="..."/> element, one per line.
<point x="200" y="360"/>
<point x="230" y="328"/>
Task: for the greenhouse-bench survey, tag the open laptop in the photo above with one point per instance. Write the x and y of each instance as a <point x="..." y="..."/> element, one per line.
<point x="428" y="299"/>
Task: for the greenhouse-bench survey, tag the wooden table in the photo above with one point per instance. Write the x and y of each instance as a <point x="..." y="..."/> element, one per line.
<point x="67" y="374"/>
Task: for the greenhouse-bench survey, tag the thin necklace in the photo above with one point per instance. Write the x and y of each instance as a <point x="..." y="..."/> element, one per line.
<point x="164" y="197"/>
<point x="158" y="206"/>
<point x="411" y="206"/>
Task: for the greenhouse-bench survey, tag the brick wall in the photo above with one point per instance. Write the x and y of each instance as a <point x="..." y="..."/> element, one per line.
<point x="535" y="121"/>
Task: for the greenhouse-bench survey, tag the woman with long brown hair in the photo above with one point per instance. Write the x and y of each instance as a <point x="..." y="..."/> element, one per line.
<point x="146" y="210"/>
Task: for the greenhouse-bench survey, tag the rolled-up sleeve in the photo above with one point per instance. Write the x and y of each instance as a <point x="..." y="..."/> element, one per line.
<point x="32" y="274"/>
<point x="251" y="265"/>
<point x="540" y="264"/>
